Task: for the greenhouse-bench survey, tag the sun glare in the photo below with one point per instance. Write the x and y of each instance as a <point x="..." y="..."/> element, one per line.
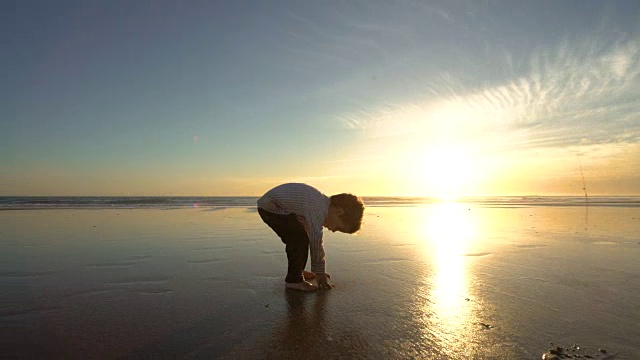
<point x="446" y="171"/>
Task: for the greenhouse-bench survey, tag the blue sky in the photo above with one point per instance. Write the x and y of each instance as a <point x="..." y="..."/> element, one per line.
<point x="438" y="98"/>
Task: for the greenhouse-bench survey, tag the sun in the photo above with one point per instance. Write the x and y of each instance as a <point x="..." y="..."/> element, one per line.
<point x="446" y="171"/>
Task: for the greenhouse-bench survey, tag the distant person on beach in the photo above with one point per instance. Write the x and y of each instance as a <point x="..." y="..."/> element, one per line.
<point x="297" y="213"/>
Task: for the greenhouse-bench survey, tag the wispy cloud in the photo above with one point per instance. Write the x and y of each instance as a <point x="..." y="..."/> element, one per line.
<point x="578" y="93"/>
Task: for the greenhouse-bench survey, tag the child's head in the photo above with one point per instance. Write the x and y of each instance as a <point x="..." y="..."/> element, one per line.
<point x="352" y="210"/>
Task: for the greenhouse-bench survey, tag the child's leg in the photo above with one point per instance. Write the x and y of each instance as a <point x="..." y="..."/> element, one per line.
<point x="297" y="248"/>
<point x="295" y="237"/>
<point x="297" y="252"/>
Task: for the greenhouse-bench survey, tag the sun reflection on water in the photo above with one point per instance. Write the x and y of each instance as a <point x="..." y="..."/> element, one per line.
<point x="447" y="233"/>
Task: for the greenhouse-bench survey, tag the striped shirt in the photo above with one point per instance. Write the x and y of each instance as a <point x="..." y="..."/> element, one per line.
<point x="310" y="206"/>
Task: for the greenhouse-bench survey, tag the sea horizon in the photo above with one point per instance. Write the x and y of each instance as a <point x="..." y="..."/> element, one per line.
<point x="165" y="202"/>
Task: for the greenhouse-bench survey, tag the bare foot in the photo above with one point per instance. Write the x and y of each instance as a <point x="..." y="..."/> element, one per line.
<point x="307" y="275"/>
<point x="304" y="286"/>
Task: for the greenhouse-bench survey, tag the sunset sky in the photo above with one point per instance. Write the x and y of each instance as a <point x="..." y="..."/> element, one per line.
<point x="374" y="97"/>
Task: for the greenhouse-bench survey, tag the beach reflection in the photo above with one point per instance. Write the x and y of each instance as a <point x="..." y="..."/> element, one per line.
<point x="307" y="333"/>
<point x="446" y="236"/>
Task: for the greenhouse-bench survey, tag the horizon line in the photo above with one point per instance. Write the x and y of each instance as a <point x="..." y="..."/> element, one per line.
<point x="361" y="196"/>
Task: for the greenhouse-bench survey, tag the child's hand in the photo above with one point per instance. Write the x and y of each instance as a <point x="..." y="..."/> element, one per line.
<point x="323" y="281"/>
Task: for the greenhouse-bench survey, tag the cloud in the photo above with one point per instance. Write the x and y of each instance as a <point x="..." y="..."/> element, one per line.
<point x="578" y="93"/>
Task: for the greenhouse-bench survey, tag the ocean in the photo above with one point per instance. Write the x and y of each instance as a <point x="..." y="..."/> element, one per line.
<point x="176" y="202"/>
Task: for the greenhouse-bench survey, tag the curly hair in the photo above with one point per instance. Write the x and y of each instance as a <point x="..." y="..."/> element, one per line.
<point x="353" y="210"/>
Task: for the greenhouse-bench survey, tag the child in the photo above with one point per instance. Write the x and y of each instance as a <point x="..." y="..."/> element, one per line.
<point x="297" y="213"/>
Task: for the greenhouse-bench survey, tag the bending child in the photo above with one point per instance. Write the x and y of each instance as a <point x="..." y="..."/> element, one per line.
<point x="297" y="213"/>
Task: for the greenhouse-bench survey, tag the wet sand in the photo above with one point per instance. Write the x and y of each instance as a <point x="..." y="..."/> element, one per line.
<point x="440" y="281"/>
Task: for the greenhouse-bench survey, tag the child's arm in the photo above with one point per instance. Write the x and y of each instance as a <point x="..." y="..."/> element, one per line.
<point x="316" y="244"/>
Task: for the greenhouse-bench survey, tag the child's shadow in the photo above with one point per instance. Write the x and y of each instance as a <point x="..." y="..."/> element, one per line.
<point x="309" y="330"/>
<point x="306" y="315"/>
<point x="304" y="327"/>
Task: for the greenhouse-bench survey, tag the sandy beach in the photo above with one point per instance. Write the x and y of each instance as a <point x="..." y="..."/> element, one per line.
<point x="439" y="281"/>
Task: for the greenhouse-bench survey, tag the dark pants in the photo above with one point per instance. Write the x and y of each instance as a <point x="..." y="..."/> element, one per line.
<point x="295" y="237"/>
